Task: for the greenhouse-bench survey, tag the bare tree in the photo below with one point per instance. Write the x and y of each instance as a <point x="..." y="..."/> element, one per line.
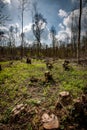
<point x="38" y="26"/>
<point x="23" y="6"/>
<point x="79" y="31"/>
<point x="77" y="25"/>
<point x="11" y="42"/>
<point x="53" y="33"/>
<point x="74" y="33"/>
<point x="3" y="17"/>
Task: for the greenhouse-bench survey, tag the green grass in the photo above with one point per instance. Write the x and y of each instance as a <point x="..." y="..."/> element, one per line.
<point x="15" y="83"/>
<point x="74" y="80"/>
<point x="13" y="79"/>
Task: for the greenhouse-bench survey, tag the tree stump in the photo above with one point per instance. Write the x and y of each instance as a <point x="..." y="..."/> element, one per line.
<point x="0" y="68"/>
<point x="79" y="112"/>
<point x="66" y="65"/>
<point x="49" y="65"/>
<point x="48" y="76"/>
<point x="28" y="61"/>
<point x="33" y="79"/>
<point x="11" y="62"/>
<point x="65" y="97"/>
<point x="77" y="105"/>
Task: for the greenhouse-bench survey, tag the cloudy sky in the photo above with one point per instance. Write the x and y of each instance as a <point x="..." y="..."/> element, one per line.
<point x="56" y="12"/>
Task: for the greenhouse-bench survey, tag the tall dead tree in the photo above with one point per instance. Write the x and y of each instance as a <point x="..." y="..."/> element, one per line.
<point x="74" y="33"/>
<point x="11" y="42"/>
<point x="79" y="31"/>
<point x="23" y="6"/>
<point x="53" y="33"/>
<point x="38" y="26"/>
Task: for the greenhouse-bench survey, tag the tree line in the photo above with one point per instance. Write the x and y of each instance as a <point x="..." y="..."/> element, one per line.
<point x="77" y="48"/>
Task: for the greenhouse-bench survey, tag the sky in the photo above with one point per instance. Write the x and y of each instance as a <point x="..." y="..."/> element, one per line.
<point x="56" y="12"/>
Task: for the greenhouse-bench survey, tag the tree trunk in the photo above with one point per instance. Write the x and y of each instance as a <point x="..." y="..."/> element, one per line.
<point x="79" y="32"/>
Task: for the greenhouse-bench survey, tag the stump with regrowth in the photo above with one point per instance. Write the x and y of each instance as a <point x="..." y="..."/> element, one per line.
<point x="66" y="65"/>
<point x="0" y="68"/>
<point x="28" y="61"/>
<point x="48" y="76"/>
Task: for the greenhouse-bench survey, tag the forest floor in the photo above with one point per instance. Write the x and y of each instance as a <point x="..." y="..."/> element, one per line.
<point x="22" y="83"/>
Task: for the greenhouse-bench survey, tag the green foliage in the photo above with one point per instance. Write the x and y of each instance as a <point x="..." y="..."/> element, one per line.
<point x="29" y="127"/>
<point x="46" y="90"/>
<point x="73" y="80"/>
<point x="6" y="117"/>
<point x="33" y="102"/>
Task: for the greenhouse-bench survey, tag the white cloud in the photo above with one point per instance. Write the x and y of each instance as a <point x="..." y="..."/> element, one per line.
<point x="7" y="1"/>
<point x="17" y="25"/>
<point x="63" y="36"/>
<point x="16" y="28"/>
<point x="62" y="13"/>
<point x="61" y="26"/>
<point x="68" y="20"/>
<point x="4" y="29"/>
<point x="65" y="27"/>
<point x="14" y="25"/>
<point x="45" y="34"/>
<point x="28" y="27"/>
<point x="29" y="33"/>
<point x="42" y="24"/>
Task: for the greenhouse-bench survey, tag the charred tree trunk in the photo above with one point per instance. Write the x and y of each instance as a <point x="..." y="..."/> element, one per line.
<point x="79" y="32"/>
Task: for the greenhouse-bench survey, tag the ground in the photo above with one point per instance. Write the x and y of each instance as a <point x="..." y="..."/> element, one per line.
<point x="17" y="87"/>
